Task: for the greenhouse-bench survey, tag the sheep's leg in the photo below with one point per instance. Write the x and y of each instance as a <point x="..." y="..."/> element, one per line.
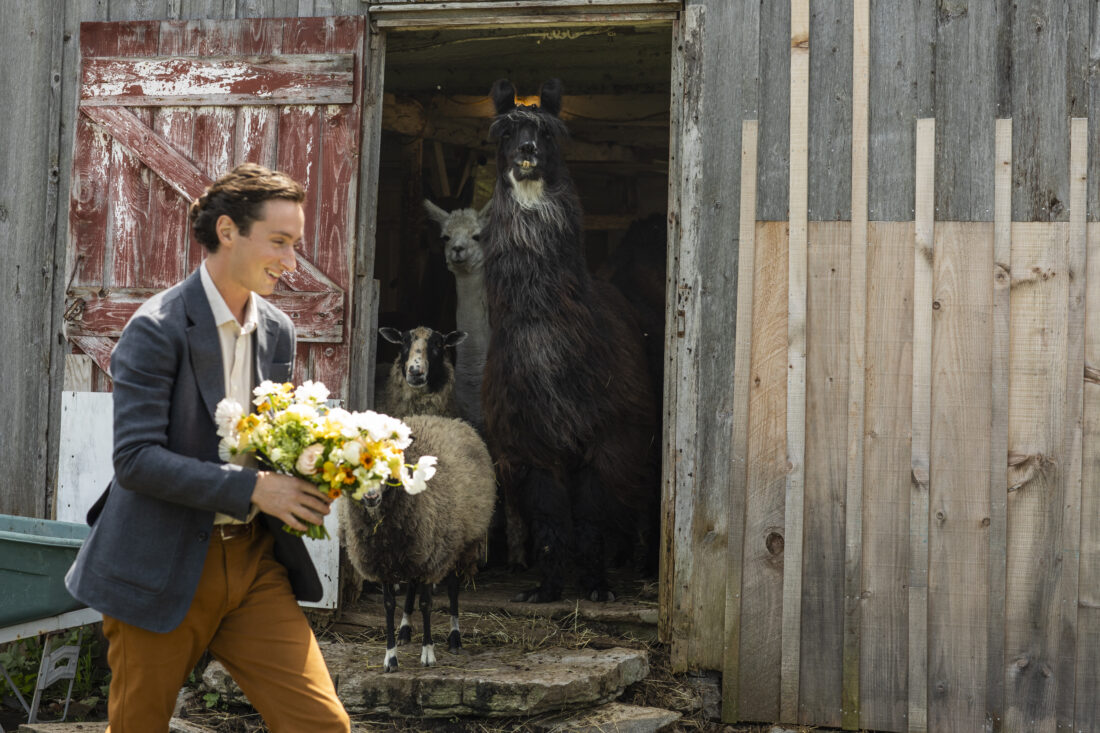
<point x="404" y="633"/>
<point x="551" y="519"/>
<point x="389" y="602"/>
<point x="454" y="639"/>
<point x="427" y="651"/>
<point x="590" y="520"/>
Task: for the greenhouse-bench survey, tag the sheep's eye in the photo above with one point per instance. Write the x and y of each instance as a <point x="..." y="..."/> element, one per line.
<point x="476" y="237"/>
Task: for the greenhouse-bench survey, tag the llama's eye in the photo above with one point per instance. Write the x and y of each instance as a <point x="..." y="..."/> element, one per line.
<point x="446" y="238"/>
<point x="506" y="136"/>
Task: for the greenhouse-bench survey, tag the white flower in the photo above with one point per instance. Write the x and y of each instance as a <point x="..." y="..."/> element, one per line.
<point x="311" y="391"/>
<point x="345" y="420"/>
<point x="226" y="449"/>
<point x="298" y="413"/>
<point x="417" y="480"/>
<point x="265" y="390"/>
<point x="351" y="452"/>
<point x="307" y="460"/>
<point x="226" y="416"/>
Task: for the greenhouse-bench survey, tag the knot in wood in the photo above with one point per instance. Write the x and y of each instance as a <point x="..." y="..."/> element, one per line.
<point x="774" y="542"/>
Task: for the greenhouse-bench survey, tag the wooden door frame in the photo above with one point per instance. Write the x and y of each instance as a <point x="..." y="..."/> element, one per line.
<point x="680" y="308"/>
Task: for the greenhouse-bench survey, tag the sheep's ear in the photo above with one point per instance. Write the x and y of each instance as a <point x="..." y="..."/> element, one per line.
<point x="436" y="214"/>
<point x="550" y="97"/>
<point x="503" y="95"/>
<point x="454" y="338"/>
<point x="391" y="334"/>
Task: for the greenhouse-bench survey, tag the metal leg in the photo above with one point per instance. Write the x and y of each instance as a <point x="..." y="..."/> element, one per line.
<point x="59" y="664"/>
<point x="23" y="702"/>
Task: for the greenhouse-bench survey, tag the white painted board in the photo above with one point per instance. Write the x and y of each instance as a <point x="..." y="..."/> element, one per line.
<point x="84" y="470"/>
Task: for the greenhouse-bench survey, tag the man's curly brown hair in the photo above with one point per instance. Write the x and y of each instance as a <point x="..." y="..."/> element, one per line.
<point x="239" y="194"/>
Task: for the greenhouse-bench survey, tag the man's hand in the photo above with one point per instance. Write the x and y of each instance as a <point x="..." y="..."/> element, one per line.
<point x="290" y="499"/>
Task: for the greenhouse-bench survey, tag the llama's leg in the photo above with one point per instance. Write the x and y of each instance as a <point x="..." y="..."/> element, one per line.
<point x="404" y="633"/>
<point x="454" y="639"/>
<point x="591" y="521"/>
<point x="389" y="602"/>
<point x="427" y="651"/>
<point x="551" y="526"/>
<point x="515" y="530"/>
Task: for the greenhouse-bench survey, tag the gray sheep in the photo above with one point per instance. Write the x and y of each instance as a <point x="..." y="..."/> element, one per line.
<point x="394" y="536"/>
<point x="421" y="380"/>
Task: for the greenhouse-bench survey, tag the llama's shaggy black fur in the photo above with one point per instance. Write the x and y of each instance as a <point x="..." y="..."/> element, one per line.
<point x="568" y="406"/>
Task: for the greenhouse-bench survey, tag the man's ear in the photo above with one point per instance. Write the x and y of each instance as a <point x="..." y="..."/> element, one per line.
<point x="225" y="228"/>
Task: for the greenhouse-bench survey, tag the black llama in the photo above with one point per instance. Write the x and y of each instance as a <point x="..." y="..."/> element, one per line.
<point x="569" y="410"/>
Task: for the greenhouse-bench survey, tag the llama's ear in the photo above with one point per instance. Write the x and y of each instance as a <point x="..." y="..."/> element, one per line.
<point x="550" y="97"/>
<point x="436" y="214"/>
<point x="390" y="334"/>
<point x="503" y="95"/>
<point x="454" y="338"/>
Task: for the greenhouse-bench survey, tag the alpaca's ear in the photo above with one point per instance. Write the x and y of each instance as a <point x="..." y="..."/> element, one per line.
<point x="503" y="95"/>
<point x="436" y="214"/>
<point x="550" y="97"/>
<point x="483" y="215"/>
<point x="390" y="334"/>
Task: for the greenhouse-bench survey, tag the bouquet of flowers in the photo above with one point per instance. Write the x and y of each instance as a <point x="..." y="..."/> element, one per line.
<point x="340" y="452"/>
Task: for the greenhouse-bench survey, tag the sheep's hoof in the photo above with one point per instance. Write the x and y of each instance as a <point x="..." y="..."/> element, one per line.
<point x="404" y="635"/>
<point x="390" y="665"/>
<point x="601" y="595"/>
<point x="454" y="642"/>
<point x="537" y="595"/>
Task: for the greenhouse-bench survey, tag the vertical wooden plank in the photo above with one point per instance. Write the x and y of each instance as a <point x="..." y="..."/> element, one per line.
<point x="257" y="125"/>
<point x="1040" y="152"/>
<point x="796" y="359"/>
<point x="1039" y="466"/>
<point x="299" y="155"/>
<point x="830" y="143"/>
<point x="823" y="566"/>
<point x="923" y="252"/>
<point x="887" y="472"/>
<point x="1087" y="712"/>
<point x="764" y="552"/>
<point x="212" y="153"/>
<point x="998" y="443"/>
<point x="1065" y="670"/>
<point x="958" y="543"/>
<point x="773" y="73"/>
<point x="739" y="441"/>
<point x="1093" y="80"/>
<point x="687" y="291"/>
<point x="857" y="335"/>
<point x="88" y="205"/>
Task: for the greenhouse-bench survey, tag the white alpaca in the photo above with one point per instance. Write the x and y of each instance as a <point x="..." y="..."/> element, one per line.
<point x="461" y="231"/>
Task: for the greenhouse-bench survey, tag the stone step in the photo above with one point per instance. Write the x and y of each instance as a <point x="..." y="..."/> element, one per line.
<point x="490" y="683"/>
<point x="611" y="718"/>
<point x="176" y="725"/>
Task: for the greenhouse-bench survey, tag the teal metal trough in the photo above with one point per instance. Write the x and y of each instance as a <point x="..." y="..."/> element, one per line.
<point x="35" y="554"/>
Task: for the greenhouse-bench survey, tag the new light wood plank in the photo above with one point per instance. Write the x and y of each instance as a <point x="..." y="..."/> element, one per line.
<point x="958" y="544"/>
<point x="857" y="336"/>
<point x="1039" y="468"/>
<point x="739" y="442"/>
<point x="796" y="360"/>
<point x="887" y="485"/>
<point x="998" y="444"/>
<point x="923" y="254"/>
<point x="823" y="565"/>
<point x="78" y="373"/>
<point x="765" y="543"/>
<point x="1087" y="712"/>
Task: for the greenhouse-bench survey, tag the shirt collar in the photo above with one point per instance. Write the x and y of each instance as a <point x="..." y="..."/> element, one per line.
<point x="222" y="314"/>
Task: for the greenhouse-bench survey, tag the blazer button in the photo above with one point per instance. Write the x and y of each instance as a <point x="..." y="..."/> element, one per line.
<point x="203" y="536"/>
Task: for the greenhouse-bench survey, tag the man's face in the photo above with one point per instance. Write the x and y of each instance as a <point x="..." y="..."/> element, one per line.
<point x="257" y="260"/>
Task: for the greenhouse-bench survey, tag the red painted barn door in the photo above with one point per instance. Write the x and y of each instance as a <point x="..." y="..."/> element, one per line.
<point x="165" y="107"/>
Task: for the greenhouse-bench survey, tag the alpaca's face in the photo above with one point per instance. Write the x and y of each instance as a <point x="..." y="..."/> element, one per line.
<point x="461" y="235"/>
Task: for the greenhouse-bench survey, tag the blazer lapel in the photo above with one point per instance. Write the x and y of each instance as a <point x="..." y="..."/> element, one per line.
<point x="267" y="334"/>
<point x="204" y="346"/>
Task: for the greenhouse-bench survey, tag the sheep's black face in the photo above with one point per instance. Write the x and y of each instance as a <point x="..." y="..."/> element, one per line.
<point x="528" y="135"/>
<point x="422" y="354"/>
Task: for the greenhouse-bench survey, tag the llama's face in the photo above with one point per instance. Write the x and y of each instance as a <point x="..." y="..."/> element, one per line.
<point x="460" y="231"/>
<point x="422" y="353"/>
<point x="528" y="137"/>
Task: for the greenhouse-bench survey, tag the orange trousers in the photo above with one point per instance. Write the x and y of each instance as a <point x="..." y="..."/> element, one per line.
<point x="245" y="613"/>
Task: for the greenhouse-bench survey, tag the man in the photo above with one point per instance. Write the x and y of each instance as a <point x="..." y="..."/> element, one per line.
<point x="186" y="553"/>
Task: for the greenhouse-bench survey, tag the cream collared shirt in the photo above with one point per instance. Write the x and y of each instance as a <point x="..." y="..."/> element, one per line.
<point x="236" y="343"/>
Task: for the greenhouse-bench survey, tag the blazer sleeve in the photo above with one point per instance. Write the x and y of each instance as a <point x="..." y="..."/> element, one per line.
<point x="145" y="366"/>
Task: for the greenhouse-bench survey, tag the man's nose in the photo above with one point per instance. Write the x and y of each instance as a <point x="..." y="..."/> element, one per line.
<point x="290" y="260"/>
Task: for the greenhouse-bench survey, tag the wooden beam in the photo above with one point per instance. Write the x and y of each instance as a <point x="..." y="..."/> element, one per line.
<point x="796" y="361"/>
<point x="252" y="80"/>
<point x="857" y="345"/>
<point x="649" y="110"/>
<point x="739" y="442"/>
<point x="923" y="242"/>
<point x="522" y="13"/>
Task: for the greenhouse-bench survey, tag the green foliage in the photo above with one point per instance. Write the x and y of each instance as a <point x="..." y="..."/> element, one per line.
<point x="212" y="699"/>
<point x="22" y="659"/>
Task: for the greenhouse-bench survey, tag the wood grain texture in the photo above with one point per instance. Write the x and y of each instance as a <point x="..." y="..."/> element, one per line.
<point x="830" y="112"/>
<point x="1039" y="465"/>
<point x="823" y="564"/>
<point x="958" y="545"/>
<point x="887" y="471"/>
<point x="739" y="439"/>
<point x="1093" y="81"/>
<point x="765" y="541"/>
<point x="773" y="73"/>
<point x="794" y="506"/>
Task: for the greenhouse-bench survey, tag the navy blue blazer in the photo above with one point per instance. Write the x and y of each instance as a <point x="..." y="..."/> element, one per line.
<point x="150" y="531"/>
